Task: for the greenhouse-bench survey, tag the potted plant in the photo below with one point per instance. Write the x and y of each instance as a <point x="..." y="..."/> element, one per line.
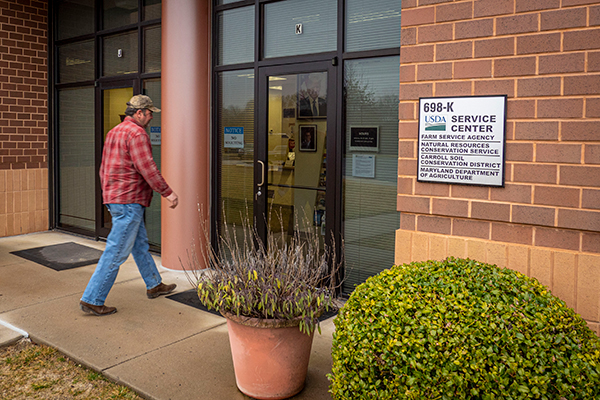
<point x="272" y="295"/>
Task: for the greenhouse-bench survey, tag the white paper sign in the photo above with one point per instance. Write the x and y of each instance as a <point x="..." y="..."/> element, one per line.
<point x="363" y="166"/>
<point x="461" y="140"/>
<point x="155" y="135"/>
<point x="233" y="137"/>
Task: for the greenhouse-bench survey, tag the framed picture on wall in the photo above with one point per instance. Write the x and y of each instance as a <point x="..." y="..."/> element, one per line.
<point x="312" y="95"/>
<point x="308" y="137"/>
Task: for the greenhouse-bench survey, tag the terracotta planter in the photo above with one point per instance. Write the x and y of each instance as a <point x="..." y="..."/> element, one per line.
<point x="270" y="357"/>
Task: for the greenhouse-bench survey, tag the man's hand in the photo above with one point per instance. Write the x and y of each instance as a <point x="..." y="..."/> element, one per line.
<point x="173" y="199"/>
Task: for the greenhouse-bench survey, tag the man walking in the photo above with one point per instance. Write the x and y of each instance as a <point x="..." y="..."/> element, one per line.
<point x="128" y="176"/>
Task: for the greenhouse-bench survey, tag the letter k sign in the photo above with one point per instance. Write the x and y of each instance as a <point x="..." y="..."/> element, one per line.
<point x="298" y="29"/>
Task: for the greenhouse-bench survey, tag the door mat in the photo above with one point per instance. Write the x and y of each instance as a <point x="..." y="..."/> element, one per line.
<point x="190" y="298"/>
<point x="62" y="256"/>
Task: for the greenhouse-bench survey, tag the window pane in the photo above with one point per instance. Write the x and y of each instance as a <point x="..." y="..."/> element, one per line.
<point x="75" y="18"/>
<point x="76" y="173"/>
<point x="372" y="25"/>
<point x="76" y="62"/>
<point x="236" y="36"/>
<point x="235" y="109"/>
<point x="152" y="44"/>
<point x="371" y="173"/>
<point x="319" y="27"/>
<point x="152" y="9"/>
<point x="152" y="88"/>
<point x="221" y="2"/>
<point x="119" y="13"/>
<point x="120" y="55"/>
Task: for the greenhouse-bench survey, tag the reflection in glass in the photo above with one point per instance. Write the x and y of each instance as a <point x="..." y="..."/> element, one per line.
<point x="372" y="25"/>
<point x="235" y="36"/>
<point x="152" y="88"/>
<point x="76" y="175"/>
<point x="120" y="55"/>
<point x="152" y="9"/>
<point x="370" y="216"/>
<point x="74" y="18"/>
<point x="300" y="27"/>
<point x="297" y="153"/>
<point x="152" y="47"/>
<point x="76" y="62"/>
<point x="119" y="13"/>
<point x="235" y="124"/>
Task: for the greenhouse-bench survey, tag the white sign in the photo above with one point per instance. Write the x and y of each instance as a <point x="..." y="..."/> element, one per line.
<point x="155" y="135"/>
<point x="461" y="140"/>
<point x="363" y="166"/>
<point x="233" y="137"/>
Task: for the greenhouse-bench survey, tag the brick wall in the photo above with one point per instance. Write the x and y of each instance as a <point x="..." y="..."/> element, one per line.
<point x="23" y="117"/>
<point x="545" y="56"/>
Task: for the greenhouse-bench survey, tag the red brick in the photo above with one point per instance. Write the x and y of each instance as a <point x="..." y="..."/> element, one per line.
<point x="413" y="204"/>
<point x="535" y="173"/>
<point x="590" y="242"/>
<point x="490" y="211"/>
<point x="577" y="219"/>
<point x="471" y="228"/>
<point x="516" y="24"/>
<point x="542" y="43"/>
<point x="453" y="88"/>
<point x="521" y="109"/>
<point x="408" y="130"/>
<point x="510" y="233"/>
<point x="434" y="224"/>
<point x="562" y="63"/>
<point x="580" y="130"/>
<point x="406" y="111"/>
<point x="405" y="185"/>
<point x="592" y="108"/>
<point x="453" y="208"/>
<point x="563" y="19"/>
<point x="588" y="39"/>
<point x="412" y="91"/>
<point x="558" y="153"/>
<point x="453" y="51"/>
<point x="472" y="69"/>
<point x="416" y="54"/>
<point x="580" y="176"/>
<point x="408" y="37"/>
<point x="592" y="154"/>
<point x="536" y="130"/>
<point x="578" y="85"/>
<point x="407" y="222"/>
<point x="495" y="87"/>
<point x="557" y="238"/>
<point x="534" y="5"/>
<point x="474" y="29"/>
<point x="470" y="192"/>
<point x="515" y="66"/>
<point x="560" y="108"/>
<point x="518" y="151"/>
<point x="434" y="33"/>
<point x="418" y="16"/>
<point x="429" y="2"/>
<point x="556" y="196"/>
<point x="408" y="73"/>
<point x="533" y="215"/>
<point x="567" y="3"/>
<point x="495" y="47"/>
<point x="407" y="167"/>
<point x="594" y="16"/>
<point x="536" y="87"/>
<point x="453" y="12"/>
<point x="486" y="8"/>
<point x="432" y="189"/>
<point x="435" y="71"/>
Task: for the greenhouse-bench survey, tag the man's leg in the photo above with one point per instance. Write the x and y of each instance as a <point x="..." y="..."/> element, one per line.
<point x="126" y="219"/>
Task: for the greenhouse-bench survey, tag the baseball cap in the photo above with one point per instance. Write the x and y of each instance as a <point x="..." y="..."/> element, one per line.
<point x="140" y="101"/>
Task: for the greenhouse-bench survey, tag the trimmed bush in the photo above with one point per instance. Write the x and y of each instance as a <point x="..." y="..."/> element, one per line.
<point x="460" y="329"/>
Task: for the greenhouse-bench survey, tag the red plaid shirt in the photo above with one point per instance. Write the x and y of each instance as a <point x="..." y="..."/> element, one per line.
<point x="128" y="173"/>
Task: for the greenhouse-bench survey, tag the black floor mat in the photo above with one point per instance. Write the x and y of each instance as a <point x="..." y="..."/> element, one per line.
<point x="62" y="256"/>
<point x="190" y="298"/>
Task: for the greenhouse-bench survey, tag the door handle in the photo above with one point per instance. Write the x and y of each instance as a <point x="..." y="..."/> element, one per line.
<point x="262" y="180"/>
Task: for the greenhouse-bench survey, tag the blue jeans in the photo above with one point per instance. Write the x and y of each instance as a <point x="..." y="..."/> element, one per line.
<point x="127" y="236"/>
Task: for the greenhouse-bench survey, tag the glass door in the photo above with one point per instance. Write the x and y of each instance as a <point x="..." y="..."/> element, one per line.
<point x="295" y="174"/>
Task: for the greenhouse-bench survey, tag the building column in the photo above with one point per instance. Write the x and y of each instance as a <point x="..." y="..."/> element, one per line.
<point x="185" y="103"/>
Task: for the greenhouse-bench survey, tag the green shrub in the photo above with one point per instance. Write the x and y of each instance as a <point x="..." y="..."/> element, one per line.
<point x="460" y="329"/>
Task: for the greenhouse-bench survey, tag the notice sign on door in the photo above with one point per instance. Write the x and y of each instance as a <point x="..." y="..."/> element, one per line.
<point x="233" y="137"/>
<point x="461" y="140"/>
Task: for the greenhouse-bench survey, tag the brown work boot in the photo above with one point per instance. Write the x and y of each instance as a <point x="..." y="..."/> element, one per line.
<point x="160" y="290"/>
<point x="96" y="310"/>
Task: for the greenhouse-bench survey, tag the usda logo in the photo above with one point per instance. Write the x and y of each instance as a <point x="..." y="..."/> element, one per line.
<point x="435" y="123"/>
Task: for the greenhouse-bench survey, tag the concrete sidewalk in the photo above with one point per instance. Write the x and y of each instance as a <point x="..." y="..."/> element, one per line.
<point x="161" y="348"/>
